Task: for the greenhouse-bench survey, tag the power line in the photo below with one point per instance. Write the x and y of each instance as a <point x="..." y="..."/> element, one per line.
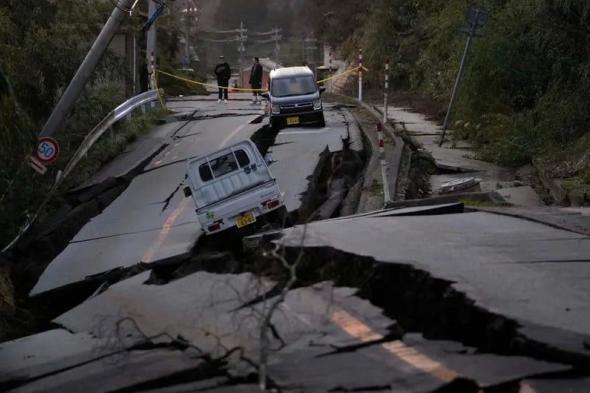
<point x="270" y="32"/>
<point x="218" y="40"/>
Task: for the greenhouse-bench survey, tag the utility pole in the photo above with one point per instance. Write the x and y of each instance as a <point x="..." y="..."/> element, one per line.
<point x="304" y="61"/>
<point x="277" y="38"/>
<point x="386" y="92"/>
<point x="134" y="63"/>
<point x="476" y="19"/>
<point x="187" y="33"/>
<point x="242" y="38"/>
<point x="310" y="44"/>
<point x="151" y="45"/>
<point x="360" y="97"/>
<point x="74" y="89"/>
<point x="330" y="72"/>
<point x="195" y="26"/>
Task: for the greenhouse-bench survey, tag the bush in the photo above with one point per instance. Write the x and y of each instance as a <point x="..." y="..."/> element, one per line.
<point x="176" y="87"/>
<point x="527" y="80"/>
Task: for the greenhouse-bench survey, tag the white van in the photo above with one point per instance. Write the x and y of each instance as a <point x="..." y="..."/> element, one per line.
<point x="232" y="187"/>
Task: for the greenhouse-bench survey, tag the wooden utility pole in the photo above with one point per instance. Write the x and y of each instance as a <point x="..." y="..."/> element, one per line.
<point x="86" y="69"/>
<point x="476" y="19"/>
<point x="151" y="45"/>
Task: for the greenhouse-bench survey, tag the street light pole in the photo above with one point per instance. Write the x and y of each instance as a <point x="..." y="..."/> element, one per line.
<point x="74" y="89"/>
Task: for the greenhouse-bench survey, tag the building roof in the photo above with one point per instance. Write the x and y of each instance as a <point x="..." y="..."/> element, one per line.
<point x="290" y="71"/>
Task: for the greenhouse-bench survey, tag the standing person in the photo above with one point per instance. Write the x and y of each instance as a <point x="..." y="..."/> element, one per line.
<point x="223" y="73"/>
<point x="256" y="80"/>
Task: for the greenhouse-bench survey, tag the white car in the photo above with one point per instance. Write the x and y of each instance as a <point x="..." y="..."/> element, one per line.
<point x="232" y="187"/>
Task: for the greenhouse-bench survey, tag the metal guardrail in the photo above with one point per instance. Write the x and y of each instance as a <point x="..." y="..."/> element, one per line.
<point x="126" y="108"/>
<point x="143" y="100"/>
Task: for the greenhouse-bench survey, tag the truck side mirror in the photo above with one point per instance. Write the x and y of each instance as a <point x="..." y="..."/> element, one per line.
<point x="187" y="192"/>
<point x="265" y="95"/>
<point x="322" y="89"/>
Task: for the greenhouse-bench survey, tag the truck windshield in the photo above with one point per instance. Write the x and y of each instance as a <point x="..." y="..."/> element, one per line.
<point x="293" y="86"/>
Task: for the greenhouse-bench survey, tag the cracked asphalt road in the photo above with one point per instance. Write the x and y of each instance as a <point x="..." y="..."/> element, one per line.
<point x="202" y="331"/>
<point x="149" y="221"/>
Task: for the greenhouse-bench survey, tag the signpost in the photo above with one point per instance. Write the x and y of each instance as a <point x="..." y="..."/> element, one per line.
<point x="47" y="150"/>
<point x="46" y="153"/>
<point x="37" y="166"/>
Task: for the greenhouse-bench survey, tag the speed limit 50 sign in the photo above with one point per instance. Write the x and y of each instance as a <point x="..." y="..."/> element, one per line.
<point x="47" y="150"/>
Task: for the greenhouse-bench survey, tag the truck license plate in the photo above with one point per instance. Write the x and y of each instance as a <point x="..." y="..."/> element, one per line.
<point x="292" y="120"/>
<point x="245" y="219"/>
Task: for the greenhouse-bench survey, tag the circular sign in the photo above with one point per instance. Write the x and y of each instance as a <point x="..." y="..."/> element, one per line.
<point x="47" y="150"/>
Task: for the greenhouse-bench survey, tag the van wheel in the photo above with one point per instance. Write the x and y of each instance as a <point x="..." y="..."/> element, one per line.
<point x="275" y="124"/>
<point x="322" y="121"/>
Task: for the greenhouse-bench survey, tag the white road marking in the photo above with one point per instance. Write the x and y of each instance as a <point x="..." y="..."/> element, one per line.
<point x="234" y="133"/>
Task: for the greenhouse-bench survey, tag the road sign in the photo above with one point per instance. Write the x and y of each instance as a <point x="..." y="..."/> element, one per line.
<point x="37" y="166"/>
<point x="476" y="16"/>
<point x="47" y="150"/>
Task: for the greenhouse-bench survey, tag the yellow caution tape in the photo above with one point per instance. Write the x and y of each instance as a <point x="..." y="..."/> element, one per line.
<point x="347" y="72"/>
<point x="208" y="84"/>
<point x="350" y="71"/>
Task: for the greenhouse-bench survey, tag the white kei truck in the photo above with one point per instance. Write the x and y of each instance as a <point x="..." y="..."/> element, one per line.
<point x="232" y="187"/>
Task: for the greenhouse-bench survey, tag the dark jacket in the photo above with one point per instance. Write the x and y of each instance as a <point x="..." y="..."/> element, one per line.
<point x="223" y="72"/>
<point x="256" y="75"/>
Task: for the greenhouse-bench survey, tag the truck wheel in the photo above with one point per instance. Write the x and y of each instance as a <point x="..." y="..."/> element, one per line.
<point x="279" y="219"/>
<point x="283" y="217"/>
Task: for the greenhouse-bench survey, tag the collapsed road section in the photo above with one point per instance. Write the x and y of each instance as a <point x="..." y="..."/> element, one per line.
<point x="300" y="309"/>
<point x="148" y="222"/>
<point x="454" y="290"/>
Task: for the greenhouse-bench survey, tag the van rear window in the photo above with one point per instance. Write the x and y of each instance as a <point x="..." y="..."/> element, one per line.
<point x="223" y="165"/>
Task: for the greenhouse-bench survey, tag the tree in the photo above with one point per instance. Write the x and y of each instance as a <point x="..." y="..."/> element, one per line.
<point x="42" y="43"/>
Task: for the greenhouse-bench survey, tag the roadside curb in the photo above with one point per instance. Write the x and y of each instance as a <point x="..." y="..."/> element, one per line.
<point x="372" y="163"/>
<point x="396" y="164"/>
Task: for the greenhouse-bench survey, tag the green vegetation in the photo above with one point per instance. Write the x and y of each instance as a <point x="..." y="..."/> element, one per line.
<point x="376" y="188"/>
<point x="41" y="46"/>
<point x="175" y="87"/>
<point x="114" y="143"/>
<point x="475" y="203"/>
<point x="526" y="92"/>
<point x="42" y="43"/>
